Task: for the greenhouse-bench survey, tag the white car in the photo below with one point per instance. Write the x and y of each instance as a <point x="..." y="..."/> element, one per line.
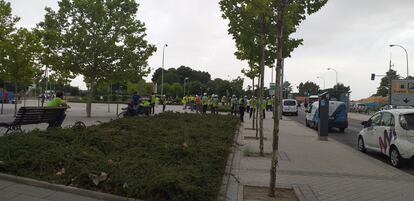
<point x="390" y="132"/>
<point x="289" y="106"/>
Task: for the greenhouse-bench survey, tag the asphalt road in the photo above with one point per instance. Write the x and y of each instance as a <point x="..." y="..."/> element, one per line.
<point x="350" y="138"/>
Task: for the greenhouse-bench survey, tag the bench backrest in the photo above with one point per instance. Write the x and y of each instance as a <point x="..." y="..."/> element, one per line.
<point x="37" y="115"/>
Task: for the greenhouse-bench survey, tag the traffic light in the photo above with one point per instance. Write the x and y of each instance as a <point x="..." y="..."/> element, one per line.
<point x="372" y="76"/>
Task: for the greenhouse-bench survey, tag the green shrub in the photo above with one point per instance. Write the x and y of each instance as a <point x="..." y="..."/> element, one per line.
<point x="164" y="157"/>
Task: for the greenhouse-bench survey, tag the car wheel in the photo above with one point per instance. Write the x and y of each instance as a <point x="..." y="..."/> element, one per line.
<point x="395" y="158"/>
<point x="341" y="130"/>
<point x="361" y="145"/>
<point x="296" y="113"/>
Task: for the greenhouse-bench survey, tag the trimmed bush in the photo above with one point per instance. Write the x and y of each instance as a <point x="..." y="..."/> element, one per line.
<point x="164" y="157"/>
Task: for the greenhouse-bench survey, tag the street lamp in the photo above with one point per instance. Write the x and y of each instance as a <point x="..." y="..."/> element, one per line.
<point x="336" y="75"/>
<point x="406" y="54"/>
<point x="319" y="77"/>
<point x="162" y="71"/>
<point x="185" y="79"/>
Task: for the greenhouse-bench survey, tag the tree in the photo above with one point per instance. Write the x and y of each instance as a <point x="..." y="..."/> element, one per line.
<point x="308" y="88"/>
<point x="383" y="89"/>
<point x="175" y="90"/>
<point x="101" y="40"/>
<point x="143" y="88"/>
<point x="21" y="66"/>
<point x="341" y="87"/>
<point x="253" y="27"/>
<point x="195" y="87"/>
<point x="220" y="87"/>
<point x="287" y="89"/>
<point x="7" y="28"/>
<point x="173" y="75"/>
<point x="290" y="13"/>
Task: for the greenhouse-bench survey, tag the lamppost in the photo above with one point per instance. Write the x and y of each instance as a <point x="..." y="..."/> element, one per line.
<point x="185" y="79"/>
<point x="406" y="54"/>
<point x="336" y="75"/>
<point x="162" y="71"/>
<point x="319" y="77"/>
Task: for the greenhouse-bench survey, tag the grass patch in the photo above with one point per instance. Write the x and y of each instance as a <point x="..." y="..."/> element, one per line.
<point x="165" y="157"/>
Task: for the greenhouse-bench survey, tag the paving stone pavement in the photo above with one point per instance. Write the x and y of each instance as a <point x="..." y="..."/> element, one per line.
<point x="323" y="170"/>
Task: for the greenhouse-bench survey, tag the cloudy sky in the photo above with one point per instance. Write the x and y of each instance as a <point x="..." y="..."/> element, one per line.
<point x="351" y="36"/>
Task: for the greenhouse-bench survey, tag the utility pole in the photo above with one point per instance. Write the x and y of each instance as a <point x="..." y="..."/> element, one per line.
<point x="389" y="84"/>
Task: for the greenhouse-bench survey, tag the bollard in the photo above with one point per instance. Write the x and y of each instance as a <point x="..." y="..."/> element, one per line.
<point x="323" y="124"/>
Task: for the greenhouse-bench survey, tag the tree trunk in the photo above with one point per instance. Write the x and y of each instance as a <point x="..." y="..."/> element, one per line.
<point x="262" y="66"/>
<point x="90" y="98"/>
<point x="253" y="111"/>
<point x="276" y="109"/>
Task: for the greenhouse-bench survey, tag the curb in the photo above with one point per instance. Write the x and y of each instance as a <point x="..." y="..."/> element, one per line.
<point x="62" y="188"/>
<point x="298" y="193"/>
<point x="228" y="169"/>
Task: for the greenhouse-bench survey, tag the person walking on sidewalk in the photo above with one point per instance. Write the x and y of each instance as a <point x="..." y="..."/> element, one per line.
<point x="263" y="107"/>
<point x="253" y="105"/>
<point x="234" y="105"/>
<point x="242" y="107"/>
<point x="269" y="104"/>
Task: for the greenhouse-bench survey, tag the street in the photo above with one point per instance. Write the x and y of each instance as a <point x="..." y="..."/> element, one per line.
<point x="349" y="138"/>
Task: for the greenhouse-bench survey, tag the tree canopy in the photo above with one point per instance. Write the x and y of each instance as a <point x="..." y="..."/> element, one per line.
<point x="382" y="90"/>
<point x="19" y="50"/>
<point x="173" y="75"/>
<point x="101" y="40"/>
<point x="305" y="88"/>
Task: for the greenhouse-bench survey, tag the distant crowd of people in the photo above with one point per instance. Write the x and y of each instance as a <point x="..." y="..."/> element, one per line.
<point x="238" y="106"/>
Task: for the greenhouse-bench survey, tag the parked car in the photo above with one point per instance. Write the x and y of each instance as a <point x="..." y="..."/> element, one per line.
<point x="338" y="115"/>
<point x="390" y="107"/>
<point x="360" y="108"/>
<point x="390" y="132"/>
<point x="289" y="106"/>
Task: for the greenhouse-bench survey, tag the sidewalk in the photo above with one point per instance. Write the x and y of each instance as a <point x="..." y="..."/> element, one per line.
<point x="323" y="170"/>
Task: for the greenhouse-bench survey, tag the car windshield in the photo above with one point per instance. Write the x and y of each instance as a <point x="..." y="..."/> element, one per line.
<point x="289" y="103"/>
<point x="404" y="107"/>
<point x="407" y="121"/>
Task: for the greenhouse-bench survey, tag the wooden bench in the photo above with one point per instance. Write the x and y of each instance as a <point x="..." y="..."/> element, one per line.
<point x="33" y="115"/>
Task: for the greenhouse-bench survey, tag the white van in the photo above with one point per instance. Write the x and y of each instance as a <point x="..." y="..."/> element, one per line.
<point x="289" y="106"/>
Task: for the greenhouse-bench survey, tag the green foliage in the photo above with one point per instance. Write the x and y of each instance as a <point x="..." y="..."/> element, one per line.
<point x="19" y="50"/>
<point x="306" y="87"/>
<point x="165" y="157"/>
<point x="178" y="75"/>
<point x="287" y="89"/>
<point x="382" y="90"/>
<point x="21" y="67"/>
<point x="101" y="40"/>
<point x="7" y="28"/>
<point x="342" y="87"/>
<point x="142" y="87"/>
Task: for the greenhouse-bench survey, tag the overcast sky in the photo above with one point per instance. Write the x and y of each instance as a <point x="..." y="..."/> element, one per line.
<point x="351" y="36"/>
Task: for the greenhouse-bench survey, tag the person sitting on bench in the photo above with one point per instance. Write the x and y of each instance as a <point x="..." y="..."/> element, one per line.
<point x="57" y="102"/>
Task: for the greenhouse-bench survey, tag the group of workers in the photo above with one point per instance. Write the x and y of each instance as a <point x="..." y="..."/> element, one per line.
<point x="138" y="101"/>
<point x="238" y="106"/>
